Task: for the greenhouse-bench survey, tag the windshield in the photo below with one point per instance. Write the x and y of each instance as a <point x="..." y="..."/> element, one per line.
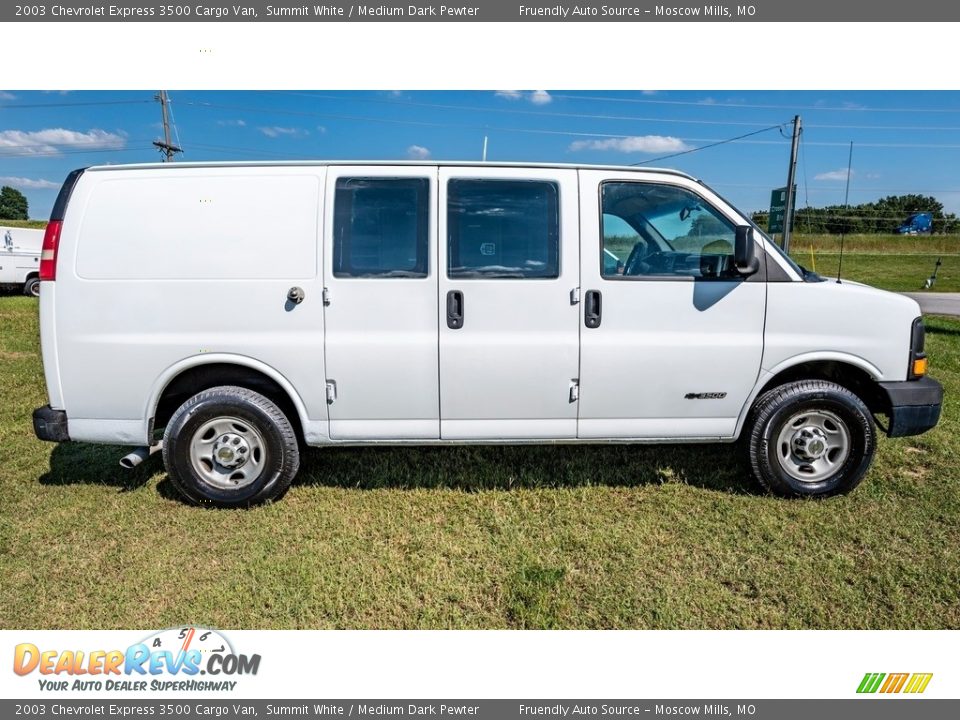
<point x="770" y="243"/>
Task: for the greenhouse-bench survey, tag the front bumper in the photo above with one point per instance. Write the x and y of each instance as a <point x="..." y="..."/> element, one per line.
<point x="914" y="405"/>
<point x="50" y="424"/>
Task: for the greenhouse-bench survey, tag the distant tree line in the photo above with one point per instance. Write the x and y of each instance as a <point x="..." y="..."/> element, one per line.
<point x="882" y="216"/>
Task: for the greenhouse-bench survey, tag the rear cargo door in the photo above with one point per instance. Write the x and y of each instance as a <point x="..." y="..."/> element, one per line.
<point x="381" y="303"/>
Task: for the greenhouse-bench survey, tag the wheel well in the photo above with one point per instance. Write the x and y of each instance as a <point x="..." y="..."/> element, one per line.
<point x="849" y="376"/>
<point x="31" y="276"/>
<point x="203" y="377"/>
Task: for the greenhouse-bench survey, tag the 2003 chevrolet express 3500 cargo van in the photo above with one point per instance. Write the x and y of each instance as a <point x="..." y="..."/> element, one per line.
<point x="271" y="306"/>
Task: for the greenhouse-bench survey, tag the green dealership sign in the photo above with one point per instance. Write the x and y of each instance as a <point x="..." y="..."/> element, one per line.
<point x="778" y="206"/>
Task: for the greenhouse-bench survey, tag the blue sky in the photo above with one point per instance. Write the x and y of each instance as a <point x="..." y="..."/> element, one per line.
<point x="904" y="142"/>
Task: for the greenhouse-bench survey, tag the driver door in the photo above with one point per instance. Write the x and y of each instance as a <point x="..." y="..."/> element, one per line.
<point x="671" y="336"/>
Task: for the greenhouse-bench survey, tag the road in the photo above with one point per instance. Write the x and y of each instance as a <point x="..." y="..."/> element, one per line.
<point x="934" y="303"/>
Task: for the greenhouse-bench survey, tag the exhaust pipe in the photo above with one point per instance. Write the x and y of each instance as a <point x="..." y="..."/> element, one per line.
<point x="138" y="456"/>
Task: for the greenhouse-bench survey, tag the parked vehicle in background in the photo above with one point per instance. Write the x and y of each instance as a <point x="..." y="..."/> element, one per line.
<point x="426" y="303"/>
<point x="20" y="259"/>
<point x="917" y="224"/>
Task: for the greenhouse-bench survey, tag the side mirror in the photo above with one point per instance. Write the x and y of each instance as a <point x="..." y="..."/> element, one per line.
<point x="745" y="251"/>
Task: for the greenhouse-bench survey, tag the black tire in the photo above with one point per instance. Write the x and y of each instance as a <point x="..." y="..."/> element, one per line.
<point x="833" y="405"/>
<point x="259" y="420"/>
<point x="31" y="288"/>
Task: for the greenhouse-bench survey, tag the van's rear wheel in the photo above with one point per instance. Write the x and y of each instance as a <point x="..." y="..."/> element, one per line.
<point x="810" y="438"/>
<point x="228" y="447"/>
<point x="31" y="288"/>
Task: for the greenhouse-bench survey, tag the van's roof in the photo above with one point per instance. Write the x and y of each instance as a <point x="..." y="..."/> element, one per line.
<point x="425" y="163"/>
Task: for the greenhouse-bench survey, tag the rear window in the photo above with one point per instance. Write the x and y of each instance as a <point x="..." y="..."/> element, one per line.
<point x="503" y="229"/>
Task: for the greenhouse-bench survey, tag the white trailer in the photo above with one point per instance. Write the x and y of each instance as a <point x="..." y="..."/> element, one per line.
<point x="277" y="305"/>
<point x="20" y="259"/>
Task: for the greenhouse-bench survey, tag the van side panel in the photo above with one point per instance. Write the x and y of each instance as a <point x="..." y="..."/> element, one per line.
<point x="160" y="266"/>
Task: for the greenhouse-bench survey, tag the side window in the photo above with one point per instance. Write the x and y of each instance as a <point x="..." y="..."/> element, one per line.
<point x="657" y="230"/>
<point x="380" y="227"/>
<point x="503" y="229"/>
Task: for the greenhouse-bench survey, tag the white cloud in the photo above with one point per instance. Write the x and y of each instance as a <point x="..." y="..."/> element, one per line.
<point x="634" y="144"/>
<point x="277" y="131"/>
<point x="418" y="152"/>
<point x="4" y="95"/>
<point x="540" y="97"/>
<point x="834" y="175"/>
<point x="28" y="183"/>
<point x="537" y="97"/>
<point x="232" y="123"/>
<point x="50" y="140"/>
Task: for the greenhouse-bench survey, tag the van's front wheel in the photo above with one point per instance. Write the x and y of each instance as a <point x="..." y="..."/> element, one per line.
<point x="810" y="438"/>
<point x="228" y="447"/>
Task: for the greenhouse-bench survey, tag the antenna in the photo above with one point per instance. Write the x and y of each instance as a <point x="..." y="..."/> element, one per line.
<point x="484" y="148"/>
<point x="846" y="205"/>
<point x="166" y="147"/>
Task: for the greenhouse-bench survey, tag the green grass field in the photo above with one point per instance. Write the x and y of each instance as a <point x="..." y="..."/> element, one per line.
<point x="35" y="224"/>
<point x="525" y="537"/>
<point x="888" y="261"/>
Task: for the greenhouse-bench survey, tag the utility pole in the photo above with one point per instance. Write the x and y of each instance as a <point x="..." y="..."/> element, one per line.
<point x="166" y="147"/>
<point x="791" y="178"/>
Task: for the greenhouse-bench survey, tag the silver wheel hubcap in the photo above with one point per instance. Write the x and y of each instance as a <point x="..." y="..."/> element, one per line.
<point x="227" y="452"/>
<point x="813" y="445"/>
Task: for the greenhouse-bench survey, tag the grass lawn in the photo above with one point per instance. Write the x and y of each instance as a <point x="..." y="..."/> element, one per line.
<point x="528" y="537"/>
<point x="35" y="224"/>
<point x="888" y="261"/>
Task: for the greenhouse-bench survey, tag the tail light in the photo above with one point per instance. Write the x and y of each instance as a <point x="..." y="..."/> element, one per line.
<point x="48" y="255"/>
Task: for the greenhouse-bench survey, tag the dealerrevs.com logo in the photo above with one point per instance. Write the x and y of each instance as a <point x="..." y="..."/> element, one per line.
<point x="178" y="659"/>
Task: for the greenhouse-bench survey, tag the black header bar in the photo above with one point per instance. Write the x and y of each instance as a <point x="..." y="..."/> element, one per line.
<point x="482" y="11"/>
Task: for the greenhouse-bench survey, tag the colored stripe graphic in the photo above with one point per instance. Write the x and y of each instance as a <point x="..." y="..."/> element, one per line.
<point x="894" y="683"/>
<point x="918" y="683"/>
<point x="870" y="682"/>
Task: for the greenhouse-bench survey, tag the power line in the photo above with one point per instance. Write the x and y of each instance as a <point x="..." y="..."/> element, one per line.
<point x="33" y="106"/>
<point x="626" y="118"/>
<point x="535" y="131"/>
<point x="516" y="111"/>
<point x="832" y="188"/>
<point x="55" y="152"/>
<point x="704" y="147"/>
<point x="755" y="106"/>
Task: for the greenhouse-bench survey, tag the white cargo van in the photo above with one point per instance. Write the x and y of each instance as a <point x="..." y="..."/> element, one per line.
<point x="20" y="259"/>
<point x="272" y="306"/>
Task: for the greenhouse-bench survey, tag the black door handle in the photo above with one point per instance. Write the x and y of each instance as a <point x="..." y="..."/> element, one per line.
<point x="592" y="309"/>
<point x="454" y="309"/>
